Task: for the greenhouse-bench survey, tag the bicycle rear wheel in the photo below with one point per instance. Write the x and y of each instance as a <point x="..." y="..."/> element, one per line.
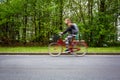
<point x="54" y="49"/>
<point x="80" y="49"/>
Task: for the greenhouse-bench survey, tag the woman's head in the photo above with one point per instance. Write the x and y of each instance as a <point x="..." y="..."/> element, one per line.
<point x="67" y="21"/>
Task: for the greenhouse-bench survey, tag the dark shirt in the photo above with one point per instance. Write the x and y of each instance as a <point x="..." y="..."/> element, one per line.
<point x="70" y="30"/>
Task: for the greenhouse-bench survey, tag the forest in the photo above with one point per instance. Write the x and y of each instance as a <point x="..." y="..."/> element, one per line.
<point x="33" y="22"/>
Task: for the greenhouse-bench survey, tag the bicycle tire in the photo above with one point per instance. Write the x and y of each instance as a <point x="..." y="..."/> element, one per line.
<point x="79" y="49"/>
<point x="54" y="49"/>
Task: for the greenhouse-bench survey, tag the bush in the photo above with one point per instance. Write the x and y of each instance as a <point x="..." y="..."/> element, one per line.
<point x="113" y="44"/>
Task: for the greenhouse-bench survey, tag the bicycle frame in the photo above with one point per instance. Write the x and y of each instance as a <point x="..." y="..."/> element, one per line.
<point x="62" y="43"/>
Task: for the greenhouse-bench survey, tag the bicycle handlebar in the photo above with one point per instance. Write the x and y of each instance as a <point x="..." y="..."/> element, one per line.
<point x="60" y="34"/>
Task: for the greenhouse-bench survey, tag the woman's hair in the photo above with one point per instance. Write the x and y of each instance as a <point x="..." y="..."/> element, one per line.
<point x="68" y="19"/>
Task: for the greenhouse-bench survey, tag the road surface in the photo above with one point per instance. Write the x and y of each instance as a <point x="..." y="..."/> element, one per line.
<point x="36" y="67"/>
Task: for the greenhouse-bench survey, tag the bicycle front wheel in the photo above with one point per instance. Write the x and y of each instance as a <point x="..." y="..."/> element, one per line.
<point x="54" y="49"/>
<point x="80" y="49"/>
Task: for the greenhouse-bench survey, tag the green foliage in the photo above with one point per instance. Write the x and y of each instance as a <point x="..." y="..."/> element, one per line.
<point x="26" y="21"/>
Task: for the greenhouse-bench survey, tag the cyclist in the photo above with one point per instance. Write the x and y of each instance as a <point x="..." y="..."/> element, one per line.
<point x="72" y="31"/>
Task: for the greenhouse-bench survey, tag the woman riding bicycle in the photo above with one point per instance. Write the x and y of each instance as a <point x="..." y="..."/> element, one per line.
<point x="72" y="30"/>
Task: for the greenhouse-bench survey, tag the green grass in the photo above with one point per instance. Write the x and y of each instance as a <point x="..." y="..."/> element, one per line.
<point x="104" y="50"/>
<point x="45" y="50"/>
<point x="24" y="49"/>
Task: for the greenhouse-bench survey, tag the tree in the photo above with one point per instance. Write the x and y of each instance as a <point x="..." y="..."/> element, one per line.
<point x="35" y="21"/>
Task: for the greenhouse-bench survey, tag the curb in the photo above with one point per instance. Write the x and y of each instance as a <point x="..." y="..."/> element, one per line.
<point x="61" y="54"/>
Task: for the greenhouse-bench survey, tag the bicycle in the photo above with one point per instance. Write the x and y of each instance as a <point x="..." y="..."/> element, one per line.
<point x="77" y="48"/>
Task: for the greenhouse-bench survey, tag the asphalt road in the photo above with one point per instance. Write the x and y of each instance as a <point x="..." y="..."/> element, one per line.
<point x="92" y="67"/>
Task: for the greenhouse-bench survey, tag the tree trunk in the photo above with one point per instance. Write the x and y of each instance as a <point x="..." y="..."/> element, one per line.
<point x="90" y="17"/>
<point x="102" y="10"/>
<point x="61" y="14"/>
<point x="25" y="22"/>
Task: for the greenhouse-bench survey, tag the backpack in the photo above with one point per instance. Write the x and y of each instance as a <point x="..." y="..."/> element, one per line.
<point x="76" y="30"/>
